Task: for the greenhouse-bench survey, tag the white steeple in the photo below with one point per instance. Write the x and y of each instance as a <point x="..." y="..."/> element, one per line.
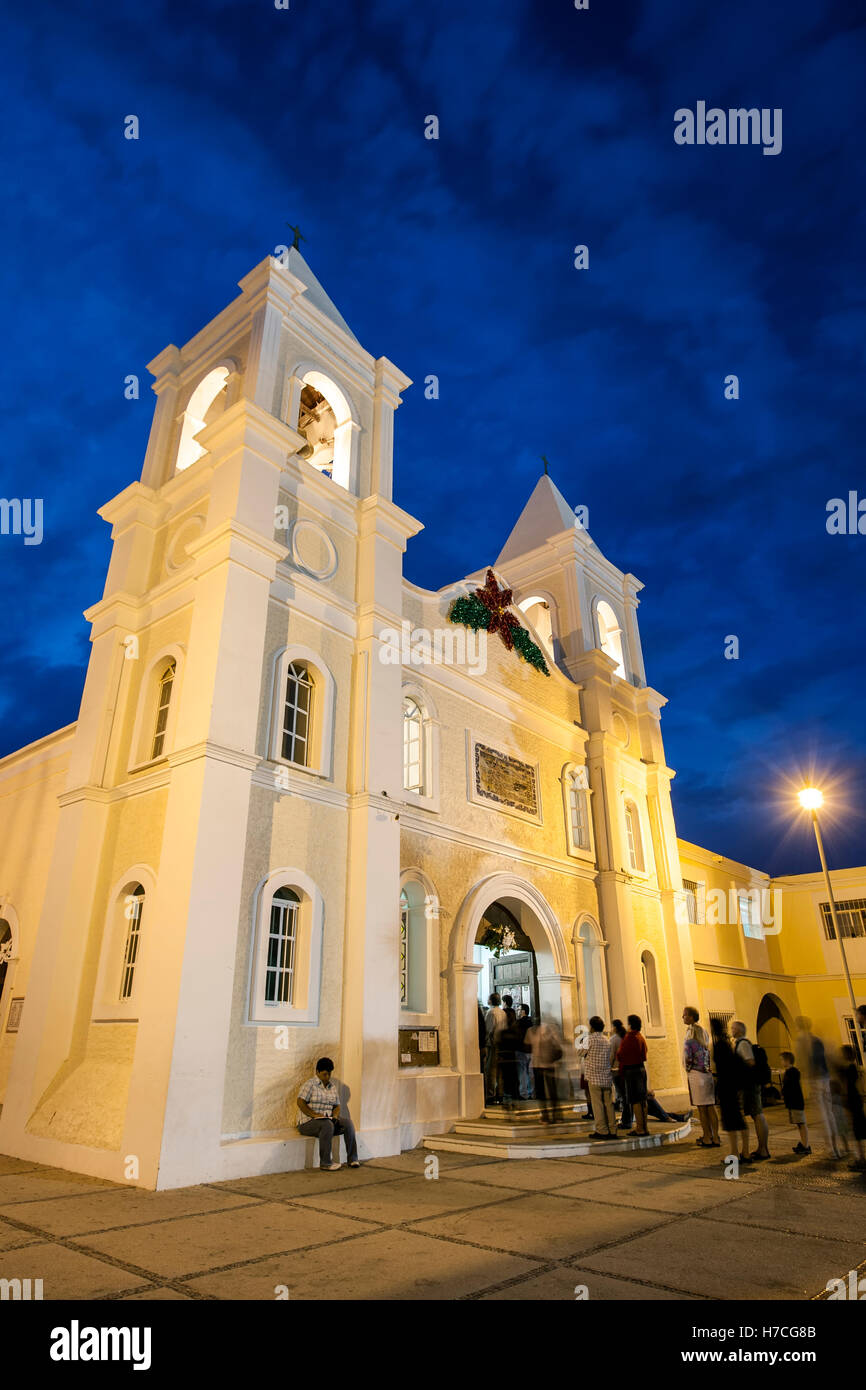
<point x="546" y="514"/>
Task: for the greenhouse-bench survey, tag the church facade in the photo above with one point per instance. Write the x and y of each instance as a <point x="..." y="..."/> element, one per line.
<point x="310" y="808"/>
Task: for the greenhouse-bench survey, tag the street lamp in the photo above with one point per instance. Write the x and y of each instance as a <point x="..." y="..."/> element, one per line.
<point x="812" y="799"/>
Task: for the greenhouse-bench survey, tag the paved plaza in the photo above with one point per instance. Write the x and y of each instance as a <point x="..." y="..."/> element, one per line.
<point x="659" y="1224"/>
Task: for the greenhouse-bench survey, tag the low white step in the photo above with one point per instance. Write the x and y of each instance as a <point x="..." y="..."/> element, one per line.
<point x="549" y="1146"/>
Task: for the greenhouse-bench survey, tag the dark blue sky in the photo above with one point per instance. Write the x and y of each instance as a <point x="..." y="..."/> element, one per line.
<point x="454" y="257"/>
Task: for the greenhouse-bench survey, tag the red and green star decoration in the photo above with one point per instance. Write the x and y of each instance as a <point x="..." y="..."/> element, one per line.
<point x="488" y="608"/>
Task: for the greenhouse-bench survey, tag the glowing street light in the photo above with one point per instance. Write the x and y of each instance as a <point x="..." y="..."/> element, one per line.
<point x="812" y="799"/>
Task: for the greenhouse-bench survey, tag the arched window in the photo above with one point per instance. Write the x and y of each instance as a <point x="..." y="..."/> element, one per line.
<point x="132" y="910"/>
<point x="166" y="681"/>
<point x="537" y="612"/>
<point x="591" y="971"/>
<point x="578" y="808"/>
<point x="610" y="636"/>
<point x="301" y="719"/>
<point x="281" y="946"/>
<point x="5" y="955"/>
<point x="419" y="950"/>
<point x="205" y="404"/>
<point x="286" y="958"/>
<point x="633" y="837"/>
<point x="297" y="714"/>
<point x="404" y="948"/>
<point x="649" y="981"/>
<point x="413" y="747"/>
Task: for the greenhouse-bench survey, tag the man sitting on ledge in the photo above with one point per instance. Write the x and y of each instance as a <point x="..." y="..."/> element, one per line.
<point x="319" y="1101"/>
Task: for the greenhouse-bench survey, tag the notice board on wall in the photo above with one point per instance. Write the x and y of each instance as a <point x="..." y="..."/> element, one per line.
<point x="418" y="1047"/>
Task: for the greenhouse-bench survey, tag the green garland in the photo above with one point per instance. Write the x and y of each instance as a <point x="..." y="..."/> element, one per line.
<point x="471" y="612"/>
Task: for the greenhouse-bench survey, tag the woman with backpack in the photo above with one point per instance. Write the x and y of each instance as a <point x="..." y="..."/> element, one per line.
<point x="702" y="1088"/>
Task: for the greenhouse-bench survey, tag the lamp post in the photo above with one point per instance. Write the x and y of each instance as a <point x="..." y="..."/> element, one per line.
<point x="811" y="799"/>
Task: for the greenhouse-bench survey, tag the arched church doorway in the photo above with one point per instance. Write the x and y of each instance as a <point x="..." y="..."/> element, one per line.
<point x="773" y="1029"/>
<point x="508" y="907"/>
<point x="507" y="959"/>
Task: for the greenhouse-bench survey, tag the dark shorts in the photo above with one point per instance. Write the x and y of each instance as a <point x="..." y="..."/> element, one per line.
<point x="751" y="1103"/>
<point x="635" y="1084"/>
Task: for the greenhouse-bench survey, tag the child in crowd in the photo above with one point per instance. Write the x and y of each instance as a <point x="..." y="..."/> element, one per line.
<point x="792" y="1095"/>
<point x="852" y="1098"/>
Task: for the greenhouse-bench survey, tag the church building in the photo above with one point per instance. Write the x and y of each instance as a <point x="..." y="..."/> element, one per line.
<point x="309" y="808"/>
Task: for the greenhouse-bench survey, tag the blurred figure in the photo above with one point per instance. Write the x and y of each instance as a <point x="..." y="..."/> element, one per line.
<point x="524" y="1053"/>
<point x="600" y="1080"/>
<point x="792" y="1095"/>
<point x="507" y="1040"/>
<point x="482" y="1040"/>
<point x="812" y="1059"/>
<point x="851" y="1080"/>
<point x="625" y="1119"/>
<point x="753" y="1070"/>
<point x="728" y="1077"/>
<point x="632" y="1056"/>
<point x="494" y="1024"/>
<point x="702" y="1088"/>
<point x="546" y="1044"/>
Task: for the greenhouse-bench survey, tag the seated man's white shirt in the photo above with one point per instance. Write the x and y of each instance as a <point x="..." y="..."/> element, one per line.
<point x="320" y="1098"/>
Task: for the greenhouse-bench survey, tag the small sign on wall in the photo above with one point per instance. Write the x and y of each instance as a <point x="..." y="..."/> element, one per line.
<point x="13" y="1022"/>
<point x="418" y="1047"/>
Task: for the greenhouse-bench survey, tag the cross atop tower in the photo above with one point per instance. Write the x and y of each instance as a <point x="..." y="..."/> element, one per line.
<point x="297" y="235"/>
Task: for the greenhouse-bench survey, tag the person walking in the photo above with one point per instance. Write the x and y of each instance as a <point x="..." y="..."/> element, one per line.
<point x="596" y="1069"/>
<point x="508" y="1039"/>
<point x="625" y="1119"/>
<point x="494" y="1023"/>
<point x="702" y="1089"/>
<point x="319" y="1110"/>
<point x="632" y="1056"/>
<point x="812" y="1060"/>
<point x="851" y="1080"/>
<point x="728" y="1085"/>
<point x="546" y="1047"/>
<point x="792" y="1096"/>
<point x="524" y="1053"/>
<point x="754" y="1071"/>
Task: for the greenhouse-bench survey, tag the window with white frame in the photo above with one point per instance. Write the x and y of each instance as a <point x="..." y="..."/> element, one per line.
<point x="633" y="837"/>
<point x="163" y="703"/>
<point x="286" y="965"/>
<point x="610" y="636"/>
<point x="297" y="715"/>
<point x="281" y="946"/>
<point x="851" y="916"/>
<point x="649" y="981"/>
<point x="749" y="917"/>
<point x="413" y="747"/>
<point x="578" y="808"/>
<point x="132" y="910"/>
<point x="694" y="901"/>
<point x="418" y="950"/>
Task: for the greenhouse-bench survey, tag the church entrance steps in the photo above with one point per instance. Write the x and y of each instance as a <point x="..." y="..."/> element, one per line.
<point x="556" y="1141"/>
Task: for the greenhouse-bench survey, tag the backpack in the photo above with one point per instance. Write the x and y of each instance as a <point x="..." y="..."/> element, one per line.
<point x="763" y="1075"/>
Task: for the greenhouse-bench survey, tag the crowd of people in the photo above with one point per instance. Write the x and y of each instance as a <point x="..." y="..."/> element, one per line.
<point x="728" y="1077"/>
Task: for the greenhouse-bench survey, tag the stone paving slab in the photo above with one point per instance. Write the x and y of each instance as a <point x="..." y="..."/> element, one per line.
<point x="531" y="1173"/>
<point x="693" y="1256"/>
<point x="414" y="1160"/>
<point x="409" y="1199"/>
<point x="385" y="1265"/>
<point x="161" y="1295"/>
<point x="37" y="1183"/>
<point x="119" y="1207"/>
<point x="67" y="1273"/>
<point x="558" y="1286"/>
<point x="652" y="1191"/>
<point x="551" y="1227"/>
<point x="831" y="1215"/>
<point x="12" y="1237"/>
<point x="20" y="1165"/>
<point x="211" y="1241"/>
<point x="307" y="1182"/>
